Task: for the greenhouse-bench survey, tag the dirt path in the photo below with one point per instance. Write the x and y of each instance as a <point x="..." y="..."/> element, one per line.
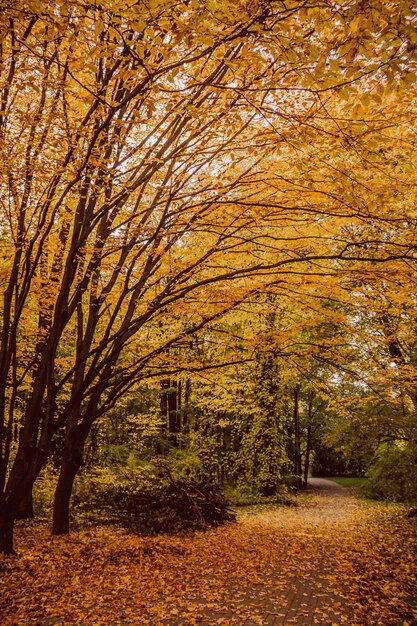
<point x="332" y="561"/>
<point x="299" y="585"/>
<point x="309" y="591"/>
<point x="318" y="564"/>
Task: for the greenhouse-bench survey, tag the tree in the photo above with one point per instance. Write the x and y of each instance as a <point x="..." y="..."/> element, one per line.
<point x="379" y="423"/>
<point x="125" y="205"/>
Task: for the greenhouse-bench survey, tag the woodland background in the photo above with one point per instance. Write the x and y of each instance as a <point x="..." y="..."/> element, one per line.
<point x="207" y="254"/>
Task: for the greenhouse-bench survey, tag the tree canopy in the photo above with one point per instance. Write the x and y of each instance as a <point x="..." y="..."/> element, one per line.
<point x="173" y="172"/>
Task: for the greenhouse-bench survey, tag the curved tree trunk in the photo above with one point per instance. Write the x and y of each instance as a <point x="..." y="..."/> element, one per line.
<point x="73" y="460"/>
<point x="23" y="474"/>
<point x="62" y="498"/>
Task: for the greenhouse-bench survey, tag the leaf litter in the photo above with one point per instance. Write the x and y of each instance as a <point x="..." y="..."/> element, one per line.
<point x="334" y="560"/>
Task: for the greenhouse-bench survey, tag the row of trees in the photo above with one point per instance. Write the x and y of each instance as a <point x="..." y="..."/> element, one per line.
<point x="296" y="393"/>
<point x="165" y="164"/>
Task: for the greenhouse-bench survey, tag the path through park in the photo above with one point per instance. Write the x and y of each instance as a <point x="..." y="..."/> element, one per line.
<point x="333" y="560"/>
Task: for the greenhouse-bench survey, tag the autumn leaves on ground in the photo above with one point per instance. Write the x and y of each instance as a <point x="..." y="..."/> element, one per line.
<point x="208" y="262"/>
<point x="330" y="560"/>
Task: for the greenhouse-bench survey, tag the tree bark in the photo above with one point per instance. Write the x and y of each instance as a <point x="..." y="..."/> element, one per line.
<point x="18" y="491"/>
<point x="7" y="520"/>
<point x="23" y="474"/>
<point x="25" y="510"/>
<point x="62" y="498"/>
<point x="297" y="438"/>
<point x="186" y="406"/>
<point x="308" y="452"/>
<point x="72" y="461"/>
<point x="173" y="422"/>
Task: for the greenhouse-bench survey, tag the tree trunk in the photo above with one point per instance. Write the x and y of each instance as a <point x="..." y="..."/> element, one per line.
<point x="25" y="510"/>
<point x="18" y="491"/>
<point x="62" y="498"/>
<point x="173" y="412"/>
<point x="23" y="474"/>
<point x="297" y="438"/>
<point x="7" y="520"/>
<point x="307" y="458"/>
<point x="72" y="461"/>
<point x="165" y="385"/>
<point x="186" y="406"/>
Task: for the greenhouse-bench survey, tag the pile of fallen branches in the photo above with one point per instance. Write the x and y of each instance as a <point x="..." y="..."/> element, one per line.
<point x="166" y="504"/>
<point x="177" y="505"/>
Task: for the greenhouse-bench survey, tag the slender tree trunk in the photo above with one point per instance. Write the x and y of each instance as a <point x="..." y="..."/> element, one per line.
<point x="173" y="425"/>
<point x="308" y="452"/>
<point x="165" y="385"/>
<point x="186" y="406"/>
<point x="309" y="436"/>
<point x="297" y="438"/>
<point x="179" y="405"/>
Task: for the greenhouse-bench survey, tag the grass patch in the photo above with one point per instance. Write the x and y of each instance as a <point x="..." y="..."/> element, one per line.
<point x="241" y="498"/>
<point x="355" y="483"/>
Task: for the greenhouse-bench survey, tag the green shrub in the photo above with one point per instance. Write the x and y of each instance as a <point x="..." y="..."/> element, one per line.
<point x="393" y="475"/>
<point x="44" y="491"/>
<point x="262" y="458"/>
<point x="241" y="496"/>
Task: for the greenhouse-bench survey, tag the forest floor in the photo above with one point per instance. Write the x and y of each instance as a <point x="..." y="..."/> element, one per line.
<point x="333" y="560"/>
